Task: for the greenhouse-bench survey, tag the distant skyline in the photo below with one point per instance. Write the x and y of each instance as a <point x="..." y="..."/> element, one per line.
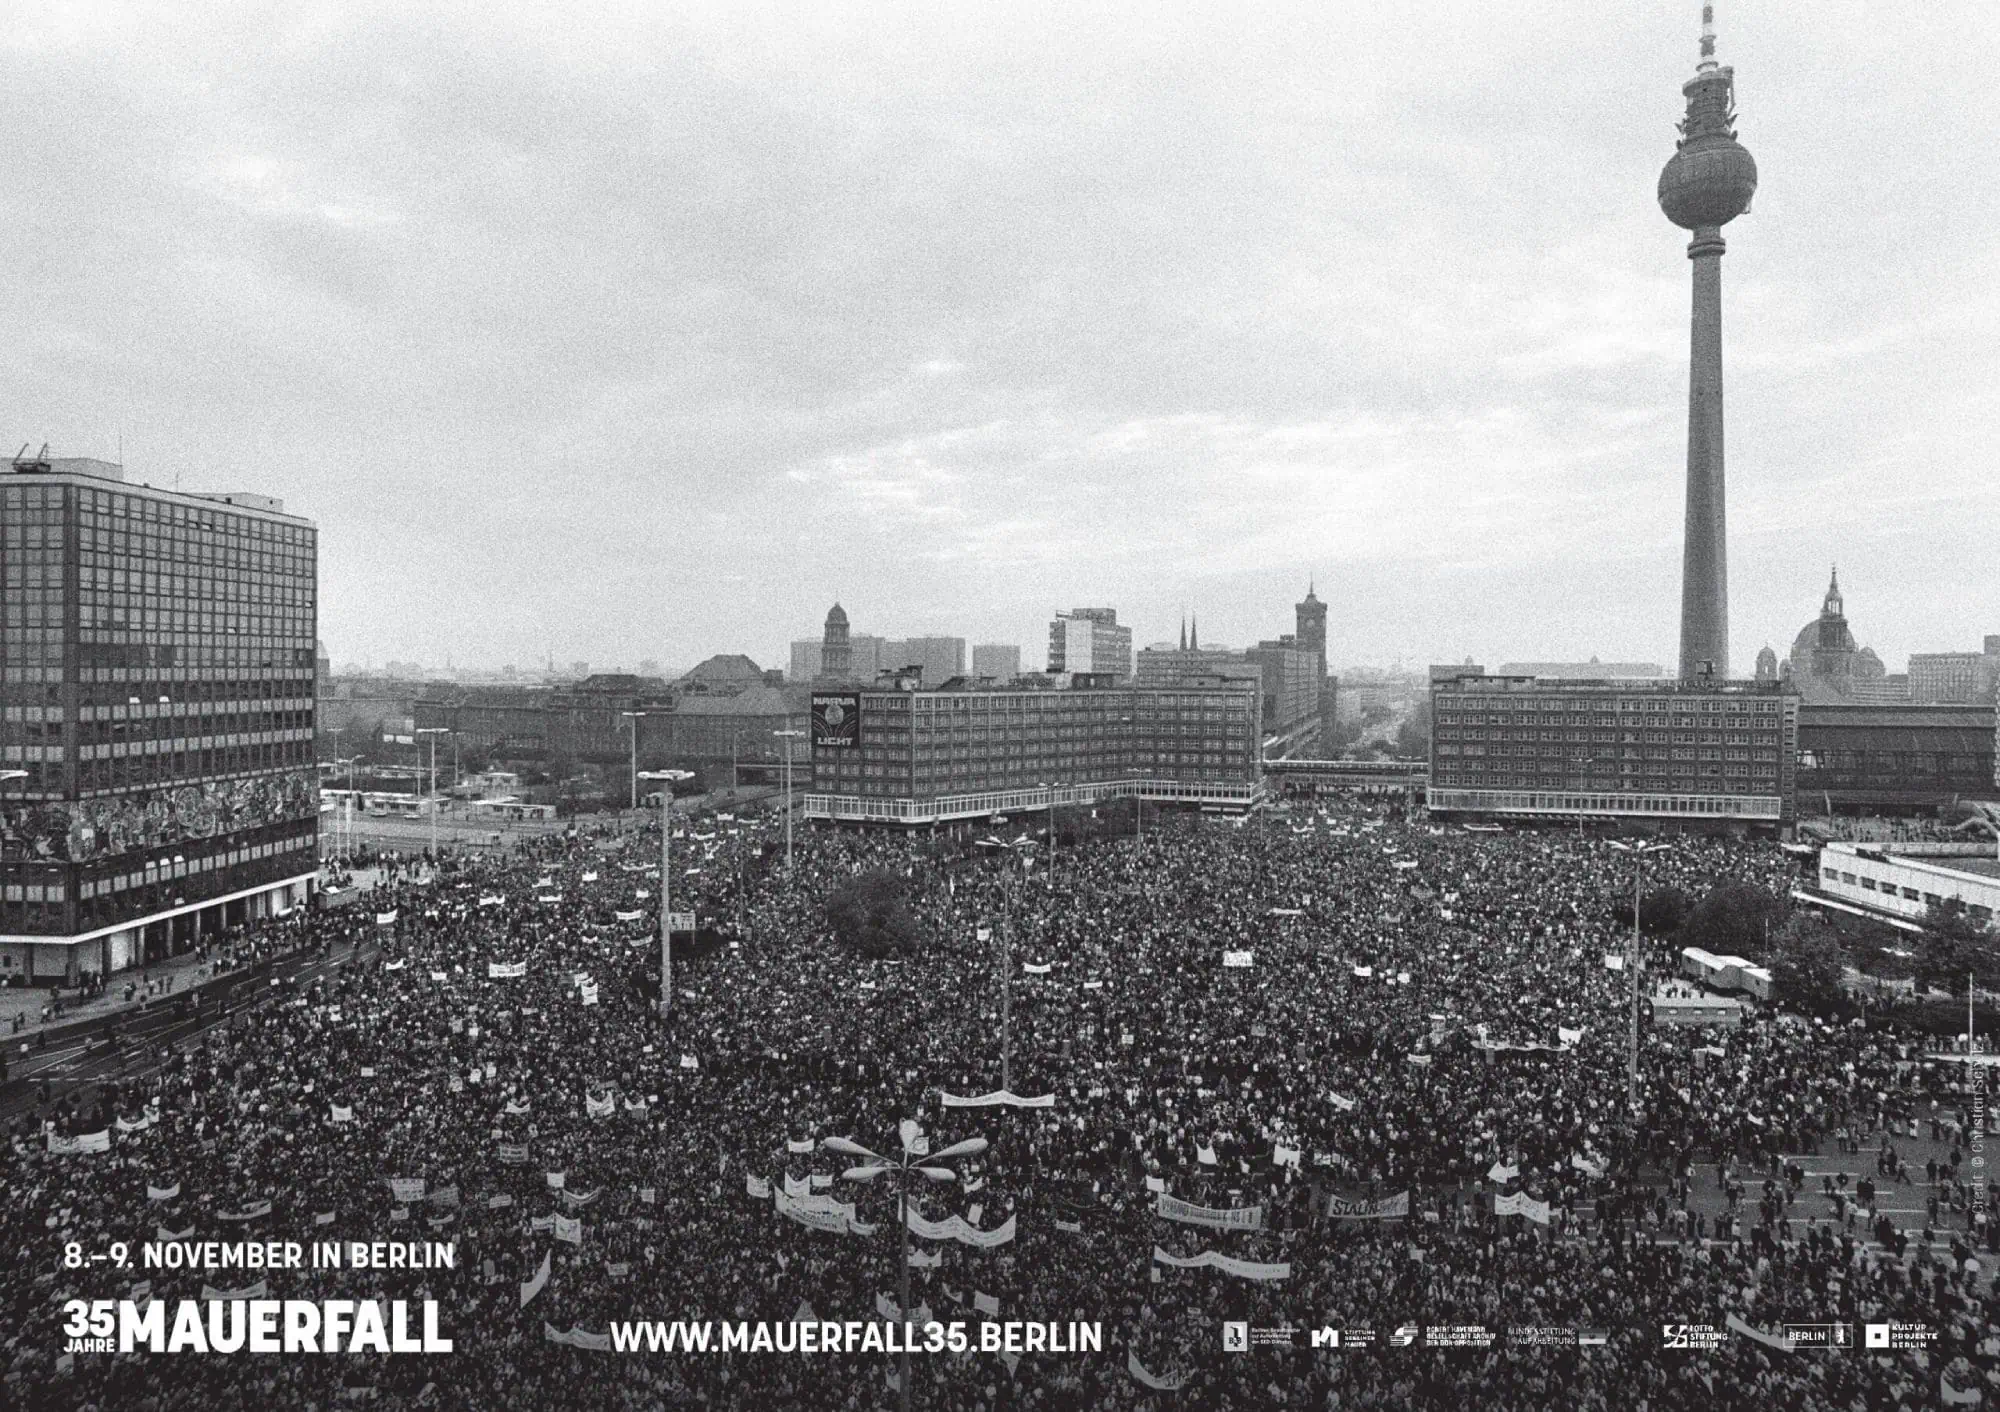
<point x="648" y="332"/>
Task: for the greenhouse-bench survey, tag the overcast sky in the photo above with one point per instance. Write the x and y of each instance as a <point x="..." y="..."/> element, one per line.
<point x="650" y="330"/>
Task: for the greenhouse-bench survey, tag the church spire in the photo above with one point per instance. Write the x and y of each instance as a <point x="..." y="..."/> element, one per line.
<point x="1194" y="635"/>
<point x="1183" y="632"/>
<point x="1832" y="608"/>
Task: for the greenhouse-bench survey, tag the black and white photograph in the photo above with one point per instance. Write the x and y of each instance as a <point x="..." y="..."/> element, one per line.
<point x="763" y="706"/>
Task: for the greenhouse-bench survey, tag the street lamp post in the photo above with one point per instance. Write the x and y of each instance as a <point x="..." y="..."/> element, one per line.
<point x="1638" y="852"/>
<point x="917" y="1159"/>
<point x="434" y="732"/>
<point x="788" y="736"/>
<point x="634" y="717"/>
<point x="667" y="780"/>
<point x="1052" y="835"/>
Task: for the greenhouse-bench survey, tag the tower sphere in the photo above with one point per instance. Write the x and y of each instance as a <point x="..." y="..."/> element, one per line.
<point x="1711" y="179"/>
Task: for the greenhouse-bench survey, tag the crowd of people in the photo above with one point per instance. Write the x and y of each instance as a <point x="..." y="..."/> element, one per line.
<point x="1371" y="1027"/>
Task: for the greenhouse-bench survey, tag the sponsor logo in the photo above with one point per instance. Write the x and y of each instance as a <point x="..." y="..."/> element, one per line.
<point x="1280" y="1336"/>
<point x="1235" y="1336"/>
<point x="1820" y="1335"/>
<point x="1405" y="1335"/>
<point x="1326" y="1338"/>
<point x="1897" y="1336"/>
<point x="1705" y="1337"/>
<point x="1592" y="1338"/>
<point x="1457" y="1336"/>
<point x="1357" y="1337"/>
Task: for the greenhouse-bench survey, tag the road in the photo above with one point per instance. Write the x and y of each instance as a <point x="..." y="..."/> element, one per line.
<point x="77" y="1056"/>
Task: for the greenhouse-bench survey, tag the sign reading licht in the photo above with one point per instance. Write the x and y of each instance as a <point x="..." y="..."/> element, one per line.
<point x="836" y="721"/>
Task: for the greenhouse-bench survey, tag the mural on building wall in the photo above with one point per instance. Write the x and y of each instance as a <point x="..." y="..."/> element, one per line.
<point x="88" y="829"/>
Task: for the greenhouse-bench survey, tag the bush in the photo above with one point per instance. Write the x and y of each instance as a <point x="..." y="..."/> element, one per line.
<point x="1662" y="912"/>
<point x="871" y="913"/>
<point x="1953" y="946"/>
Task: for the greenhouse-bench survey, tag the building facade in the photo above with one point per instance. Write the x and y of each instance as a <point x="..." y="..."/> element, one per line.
<point x="157" y="685"/>
<point x="1950" y="678"/>
<point x="936" y="659"/>
<point x="1897" y="885"/>
<point x="1894" y="759"/>
<point x="1291" y="677"/>
<point x="1665" y="751"/>
<point x="931" y="756"/>
<point x="1090" y="640"/>
<point x="998" y="662"/>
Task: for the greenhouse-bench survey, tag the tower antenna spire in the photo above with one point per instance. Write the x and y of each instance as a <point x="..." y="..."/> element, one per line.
<point x="1707" y="63"/>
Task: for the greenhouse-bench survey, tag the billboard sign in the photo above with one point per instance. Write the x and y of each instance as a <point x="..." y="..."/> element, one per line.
<point x="836" y="720"/>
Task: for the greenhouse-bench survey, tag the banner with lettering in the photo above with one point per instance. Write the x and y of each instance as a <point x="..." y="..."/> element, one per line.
<point x="506" y="970"/>
<point x="1236" y="1218"/>
<point x="1345" y="1105"/>
<point x="1215" y="1260"/>
<point x="959" y="1229"/>
<point x="628" y="916"/>
<point x="135" y="1125"/>
<point x="1522" y="1204"/>
<point x="513" y="1152"/>
<point x="1387" y="1208"/>
<point x="387" y="919"/>
<point x="998" y="1098"/>
<point x="1238" y="960"/>
<point x="756" y="1187"/>
<point x="570" y="1229"/>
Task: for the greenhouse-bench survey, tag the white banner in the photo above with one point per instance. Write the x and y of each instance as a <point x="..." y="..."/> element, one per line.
<point x="60" y="1146"/>
<point x="340" y="1113"/>
<point x="1522" y="1204"/>
<point x="490" y="900"/>
<point x="570" y="1229"/>
<point x="799" y="1149"/>
<point x="534" y="1286"/>
<point x="506" y="970"/>
<point x="256" y="1210"/>
<point x="628" y="916"/>
<point x="135" y="1125"/>
<point x="756" y="1187"/>
<point x="1238" y="1218"/>
<point x="997" y="1098"/>
<point x="1613" y="961"/>
<point x="162" y="1193"/>
<point x="1151" y="1380"/>
<point x="959" y="1229"/>
<point x="1242" y="1269"/>
<point x="395" y="965"/>
<point x="1501" y="1172"/>
<point x="1036" y="970"/>
<point x="387" y="919"/>
<point x="1238" y="960"/>
<point x="406" y="1189"/>
<point x="1345" y="1105"/>
<point x="259" y="1290"/>
<point x="162" y="1233"/>
<point x="595" y="1107"/>
<point x="1568" y="1036"/>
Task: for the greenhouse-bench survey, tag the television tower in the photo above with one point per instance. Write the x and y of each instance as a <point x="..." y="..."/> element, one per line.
<point x="1707" y="183"/>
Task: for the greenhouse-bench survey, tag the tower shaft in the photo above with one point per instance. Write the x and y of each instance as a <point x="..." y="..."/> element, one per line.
<point x="1705" y="556"/>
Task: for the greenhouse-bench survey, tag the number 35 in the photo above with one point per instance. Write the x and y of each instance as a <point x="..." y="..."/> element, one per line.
<point x="90" y="1319"/>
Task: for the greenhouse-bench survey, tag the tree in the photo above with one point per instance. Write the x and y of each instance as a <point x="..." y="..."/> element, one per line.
<point x="1806" y="974"/>
<point x="1954" y="947"/>
<point x="871" y="913"/>
<point x="1662" y="911"/>
<point x="1735" y="919"/>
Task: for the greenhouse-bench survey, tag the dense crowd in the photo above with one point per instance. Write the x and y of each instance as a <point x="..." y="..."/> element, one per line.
<point x="1407" y="1023"/>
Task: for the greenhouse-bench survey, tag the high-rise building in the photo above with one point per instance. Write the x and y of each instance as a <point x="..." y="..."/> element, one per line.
<point x="1706" y="184"/>
<point x="999" y="661"/>
<point x="1291" y="677"/>
<point x="1956" y="676"/>
<point x="1090" y="641"/>
<point x="157" y="684"/>
<point x="936" y="659"/>
<point x="1697" y="752"/>
<point x="807" y="657"/>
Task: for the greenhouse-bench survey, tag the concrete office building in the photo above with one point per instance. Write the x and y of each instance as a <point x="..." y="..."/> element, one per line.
<point x="936" y="659"/>
<point x="920" y="757"/>
<point x="157" y="684"/>
<point x="1090" y="641"/>
<point x="1671" y="751"/>
<point x="998" y="662"/>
